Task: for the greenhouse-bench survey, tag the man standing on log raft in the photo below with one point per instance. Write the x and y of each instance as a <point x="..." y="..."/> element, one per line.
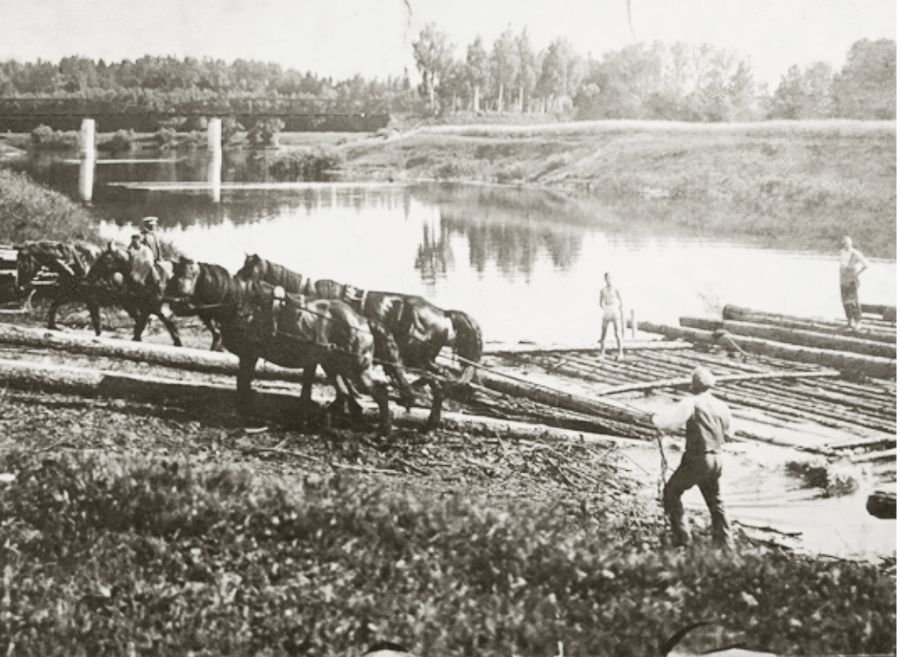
<point x="707" y="423"/>
<point x="611" y="304"/>
<point x="853" y="263"/>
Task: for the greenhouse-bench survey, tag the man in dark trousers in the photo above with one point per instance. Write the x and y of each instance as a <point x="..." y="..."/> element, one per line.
<point x="707" y="423"/>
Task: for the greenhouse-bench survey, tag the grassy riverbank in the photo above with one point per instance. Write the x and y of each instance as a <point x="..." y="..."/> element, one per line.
<point x="169" y="529"/>
<point x="811" y="182"/>
<point x="172" y="557"/>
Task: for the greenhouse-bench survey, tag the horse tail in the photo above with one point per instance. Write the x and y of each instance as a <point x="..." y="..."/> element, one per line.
<point x="469" y="343"/>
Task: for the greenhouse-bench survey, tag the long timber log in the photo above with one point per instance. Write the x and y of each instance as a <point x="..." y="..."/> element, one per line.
<point x="887" y="313"/>
<point x="98" y="383"/>
<point x="732" y="378"/>
<point x="830" y="327"/>
<point x="873" y="366"/>
<point x="209" y="362"/>
<point x="794" y="336"/>
<point x="627" y="345"/>
<point x="515" y="386"/>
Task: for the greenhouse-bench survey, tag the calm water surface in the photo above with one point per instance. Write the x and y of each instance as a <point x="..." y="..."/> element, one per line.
<point x="527" y="264"/>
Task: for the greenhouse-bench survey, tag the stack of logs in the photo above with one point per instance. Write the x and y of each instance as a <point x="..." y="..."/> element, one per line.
<point x="870" y="352"/>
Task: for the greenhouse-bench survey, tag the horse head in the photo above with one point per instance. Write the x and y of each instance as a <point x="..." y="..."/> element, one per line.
<point x="252" y="268"/>
<point x="182" y="284"/>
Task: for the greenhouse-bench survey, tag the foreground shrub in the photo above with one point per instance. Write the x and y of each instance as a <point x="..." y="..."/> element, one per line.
<point x="29" y="211"/>
<point x="102" y="552"/>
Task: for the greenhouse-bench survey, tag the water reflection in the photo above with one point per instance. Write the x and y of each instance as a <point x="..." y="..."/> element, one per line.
<point x="434" y="257"/>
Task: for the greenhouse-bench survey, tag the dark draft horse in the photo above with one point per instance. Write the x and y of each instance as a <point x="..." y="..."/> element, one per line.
<point x="137" y="284"/>
<point x="70" y="261"/>
<point x="419" y="328"/>
<point x="258" y="320"/>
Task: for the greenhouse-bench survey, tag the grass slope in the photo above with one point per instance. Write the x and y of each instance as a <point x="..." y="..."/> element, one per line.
<point x="811" y="181"/>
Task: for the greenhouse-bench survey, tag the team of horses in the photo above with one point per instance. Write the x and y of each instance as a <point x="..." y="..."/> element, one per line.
<point x="266" y="311"/>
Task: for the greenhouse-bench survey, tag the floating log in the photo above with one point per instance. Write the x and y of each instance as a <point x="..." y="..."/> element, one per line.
<point x="882" y="504"/>
<point x="99" y="383"/>
<point x="627" y="345"/>
<point x="210" y="362"/>
<point x="873" y="366"/>
<point x="728" y="378"/>
<point x="868" y="457"/>
<point x="873" y="333"/>
<point x="794" y="336"/>
<point x="887" y="313"/>
<point x="516" y="386"/>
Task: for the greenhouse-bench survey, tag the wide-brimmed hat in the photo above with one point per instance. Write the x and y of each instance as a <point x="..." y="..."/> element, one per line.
<point x="150" y="221"/>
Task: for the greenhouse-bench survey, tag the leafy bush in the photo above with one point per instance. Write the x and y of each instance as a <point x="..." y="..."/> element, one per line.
<point x="166" y="138"/>
<point x="45" y="138"/>
<point x="101" y="552"/>
<point x="29" y="211"/>
<point x="122" y="140"/>
<point x="306" y="164"/>
<point x="264" y="134"/>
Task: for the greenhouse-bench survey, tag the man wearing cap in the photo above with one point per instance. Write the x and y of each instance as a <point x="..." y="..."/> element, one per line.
<point x="148" y="237"/>
<point x="707" y="423"/>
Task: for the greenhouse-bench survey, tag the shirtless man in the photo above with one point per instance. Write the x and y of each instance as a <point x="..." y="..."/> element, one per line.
<point x="853" y="263"/>
<point x="611" y="304"/>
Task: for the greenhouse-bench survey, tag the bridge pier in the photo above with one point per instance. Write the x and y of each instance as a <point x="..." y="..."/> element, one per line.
<point x="88" y="161"/>
<point x="214" y="163"/>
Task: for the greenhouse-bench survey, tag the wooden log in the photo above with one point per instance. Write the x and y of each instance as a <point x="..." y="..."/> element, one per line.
<point x="795" y="336"/>
<point x="627" y="345"/>
<point x="99" y="383"/>
<point x="143" y="352"/>
<point x="887" y="313"/>
<point x="849" y="363"/>
<point x="882" y="504"/>
<point x="516" y="386"/>
<point x="869" y="457"/>
<point x="873" y="333"/>
<point x="684" y="381"/>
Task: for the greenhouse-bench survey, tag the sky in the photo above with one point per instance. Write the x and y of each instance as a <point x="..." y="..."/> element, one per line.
<point x="340" y="38"/>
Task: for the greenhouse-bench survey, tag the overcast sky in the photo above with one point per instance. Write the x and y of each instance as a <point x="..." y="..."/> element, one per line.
<point x="340" y="38"/>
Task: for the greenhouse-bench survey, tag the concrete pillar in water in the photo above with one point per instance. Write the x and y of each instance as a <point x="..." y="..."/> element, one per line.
<point x="214" y="175"/>
<point x="88" y="161"/>
<point x="214" y="136"/>
<point x="214" y="163"/>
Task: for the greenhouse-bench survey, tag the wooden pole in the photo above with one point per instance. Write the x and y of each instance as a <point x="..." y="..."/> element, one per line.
<point x="497" y="350"/>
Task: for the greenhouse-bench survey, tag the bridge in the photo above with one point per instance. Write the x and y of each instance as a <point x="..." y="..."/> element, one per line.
<point x="298" y="115"/>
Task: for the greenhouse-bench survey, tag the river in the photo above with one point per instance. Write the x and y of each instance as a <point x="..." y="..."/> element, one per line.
<point x="528" y="264"/>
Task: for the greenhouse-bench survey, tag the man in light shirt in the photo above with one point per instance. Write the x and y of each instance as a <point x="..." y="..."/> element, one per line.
<point x="853" y="263"/>
<point x="707" y="423"/>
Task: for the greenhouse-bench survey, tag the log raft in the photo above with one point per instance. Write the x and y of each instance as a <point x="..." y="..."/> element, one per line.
<point x="844" y="342"/>
<point x="850" y="363"/>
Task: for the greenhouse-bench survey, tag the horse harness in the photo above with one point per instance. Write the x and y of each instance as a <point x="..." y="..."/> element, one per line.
<point x="279" y="302"/>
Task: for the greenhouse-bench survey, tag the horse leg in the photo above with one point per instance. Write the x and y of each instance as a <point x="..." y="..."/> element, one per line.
<point x="51" y="314"/>
<point x="309" y="374"/>
<point x="212" y="327"/>
<point x="94" y="310"/>
<point x="246" y="369"/>
<point x="379" y="392"/>
<point x="166" y="316"/>
<point x="437" y="400"/>
<point x="141" y="317"/>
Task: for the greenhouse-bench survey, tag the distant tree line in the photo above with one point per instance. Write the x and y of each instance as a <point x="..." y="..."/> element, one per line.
<point x="641" y="81"/>
<point x="677" y="81"/>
